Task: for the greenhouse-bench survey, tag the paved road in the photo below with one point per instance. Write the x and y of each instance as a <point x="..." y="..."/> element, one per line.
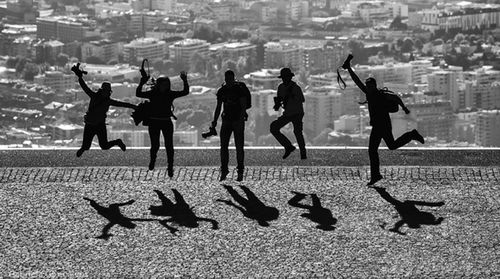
<point x="48" y="230"/>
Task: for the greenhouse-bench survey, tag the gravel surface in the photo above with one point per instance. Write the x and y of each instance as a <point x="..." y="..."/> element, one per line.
<point x="49" y="230"/>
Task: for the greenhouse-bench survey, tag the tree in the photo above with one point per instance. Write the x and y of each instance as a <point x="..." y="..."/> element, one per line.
<point x="30" y="71"/>
<point x="197" y="63"/>
<point x="198" y="118"/>
<point x="397" y="24"/>
<point x="357" y="49"/>
<point x="12" y="62"/>
<point x="20" y="65"/>
<point x="62" y="59"/>
<point x="418" y="44"/>
<point x="407" y="45"/>
<point x="229" y="65"/>
<point x="322" y="138"/>
<point x="241" y="65"/>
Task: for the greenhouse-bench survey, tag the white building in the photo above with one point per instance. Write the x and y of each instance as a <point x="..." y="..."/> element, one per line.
<point x="142" y="48"/>
<point x="104" y="50"/>
<point x="182" y="51"/>
<point x="279" y="55"/>
<point x="487" y="131"/>
<point x="56" y="80"/>
<point x="322" y="107"/>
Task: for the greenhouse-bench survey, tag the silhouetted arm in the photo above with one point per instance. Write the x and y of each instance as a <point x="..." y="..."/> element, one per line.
<point x="215" y="224"/>
<point x="170" y="228"/>
<point x="218" y="109"/>
<point x="424" y="203"/>
<point x="397" y="226"/>
<point x="85" y="87"/>
<point x="296" y="199"/>
<point x="117" y="103"/>
<point x="184" y="91"/>
<point x="243" y="104"/>
<point x="138" y="91"/>
<point x="356" y="80"/>
<point x="125" y="203"/>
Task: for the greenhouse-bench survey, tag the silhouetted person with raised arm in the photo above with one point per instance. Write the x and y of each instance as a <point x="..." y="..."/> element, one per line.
<point x="291" y="98"/>
<point x="317" y="213"/>
<point x="409" y="213"/>
<point x="251" y="207"/>
<point x="160" y="113"/>
<point x="95" y="118"/>
<point x="114" y="216"/>
<point x="180" y="212"/>
<point x="380" y="121"/>
<point x="234" y="98"/>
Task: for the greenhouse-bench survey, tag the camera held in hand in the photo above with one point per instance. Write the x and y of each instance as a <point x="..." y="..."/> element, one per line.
<point x="77" y="71"/>
<point x="211" y="132"/>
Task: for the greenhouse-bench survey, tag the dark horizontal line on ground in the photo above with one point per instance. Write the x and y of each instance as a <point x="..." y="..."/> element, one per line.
<point x="124" y="173"/>
<point x="253" y="157"/>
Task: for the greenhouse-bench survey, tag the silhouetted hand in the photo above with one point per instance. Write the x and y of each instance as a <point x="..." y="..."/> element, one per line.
<point x="183" y="76"/>
<point x="407" y="111"/>
<point x="397" y="231"/>
<point x="144" y="79"/>
<point x="76" y="69"/>
<point x="347" y="62"/>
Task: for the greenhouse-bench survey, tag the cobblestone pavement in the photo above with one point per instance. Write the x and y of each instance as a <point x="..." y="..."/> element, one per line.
<point x="48" y="230"/>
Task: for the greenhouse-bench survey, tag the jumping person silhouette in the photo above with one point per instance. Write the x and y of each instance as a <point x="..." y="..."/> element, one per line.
<point x="114" y="216"/>
<point x="95" y="118"/>
<point x="289" y="96"/>
<point x="380" y="121"/>
<point x="317" y="213"/>
<point x="160" y="112"/>
<point x="235" y="97"/>
<point x="409" y="212"/>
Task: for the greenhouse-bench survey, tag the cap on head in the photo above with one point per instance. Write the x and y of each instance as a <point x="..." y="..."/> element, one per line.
<point x="106" y="86"/>
<point x="286" y="72"/>
<point x="371" y="81"/>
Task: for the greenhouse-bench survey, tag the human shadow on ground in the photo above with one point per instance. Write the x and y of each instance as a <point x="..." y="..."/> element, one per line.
<point x="317" y="213"/>
<point x="251" y="207"/>
<point x="114" y="216"/>
<point x="179" y="212"/>
<point x="409" y="213"/>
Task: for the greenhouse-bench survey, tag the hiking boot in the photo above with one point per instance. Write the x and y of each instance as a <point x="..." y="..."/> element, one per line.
<point x="418" y="137"/>
<point x="374" y="179"/>
<point x="152" y="162"/>
<point x="240" y="176"/>
<point x="223" y="175"/>
<point x="79" y="152"/>
<point x="289" y="151"/>
<point x="122" y="146"/>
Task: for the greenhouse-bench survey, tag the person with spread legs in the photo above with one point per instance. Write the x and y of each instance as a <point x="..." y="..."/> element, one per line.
<point x="95" y="118"/>
<point x="159" y="115"/>
<point x="380" y="121"/>
<point x="234" y="97"/>
<point x="291" y="98"/>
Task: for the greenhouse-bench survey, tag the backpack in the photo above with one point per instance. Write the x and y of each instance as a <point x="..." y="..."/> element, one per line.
<point x="246" y="92"/>
<point x="232" y="108"/>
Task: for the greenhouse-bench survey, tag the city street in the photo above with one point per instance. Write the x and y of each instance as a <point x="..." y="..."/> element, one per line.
<point x="49" y="230"/>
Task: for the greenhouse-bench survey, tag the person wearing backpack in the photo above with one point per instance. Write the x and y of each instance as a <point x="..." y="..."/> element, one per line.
<point x="234" y="98"/>
<point x="380" y="103"/>
<point x="160" y="113"/>
<point x="291" y="98"/>
<point x="95" y="118"/>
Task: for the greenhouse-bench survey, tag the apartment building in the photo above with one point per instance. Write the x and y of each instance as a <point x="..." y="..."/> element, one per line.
<point x="65" y="29"/>
<point x="322" y="107"/>
<point x="56" y="80"/>
<point x="182" y="51"/>
<point x="142" y="48"/>
<point x="487" y="131"/>
<point x="279" y="55"/>
<point x="105" y="50"/>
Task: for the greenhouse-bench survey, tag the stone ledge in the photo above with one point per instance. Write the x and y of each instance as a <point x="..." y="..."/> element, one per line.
<point x="210" y="174"/>
<point x="253" y="157"/>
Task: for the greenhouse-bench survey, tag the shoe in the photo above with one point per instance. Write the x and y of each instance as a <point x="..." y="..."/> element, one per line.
<point x="152" y="164"/>
<point x="240" y="176"/>
<point x="170" y="172"/>
<point x="374" y="179"/>
<point x="79" y="152"/>
<point x="223" y="175"/>
<point x="289" y="151"/>
<point x="418" y="137"/>
<point x="122" y="146"/>
<point x="303" y="155"/>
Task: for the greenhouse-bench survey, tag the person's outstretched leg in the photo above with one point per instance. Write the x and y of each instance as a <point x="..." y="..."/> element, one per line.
<point x="295" y="201"/>
<point x="154" y="137"/>
<point x="275" y="128"/>
<point x="403" y="140"/>
<point x="168" y="136"/>
<point x="239" y="142"/>
<point x="225" y="135"/>
<point x="103" y="138"/>
<point x="297" y="130"/>
<point x="373" y="145"/>
<point x="88" y="135"/>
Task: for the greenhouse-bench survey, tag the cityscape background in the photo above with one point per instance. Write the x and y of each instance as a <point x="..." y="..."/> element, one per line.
<point x="442" y="58"/>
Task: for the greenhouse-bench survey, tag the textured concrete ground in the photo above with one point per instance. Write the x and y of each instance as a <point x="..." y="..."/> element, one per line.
<point x="48" y="230"/>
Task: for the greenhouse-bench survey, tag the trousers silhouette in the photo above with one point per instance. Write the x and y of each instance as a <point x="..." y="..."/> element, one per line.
<point x="99" y="130"/>
<point x="282" y="121"/>
<point x="384" y="132"/>
<point x="238" y="128"/>
<point x="166" y="127"/>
